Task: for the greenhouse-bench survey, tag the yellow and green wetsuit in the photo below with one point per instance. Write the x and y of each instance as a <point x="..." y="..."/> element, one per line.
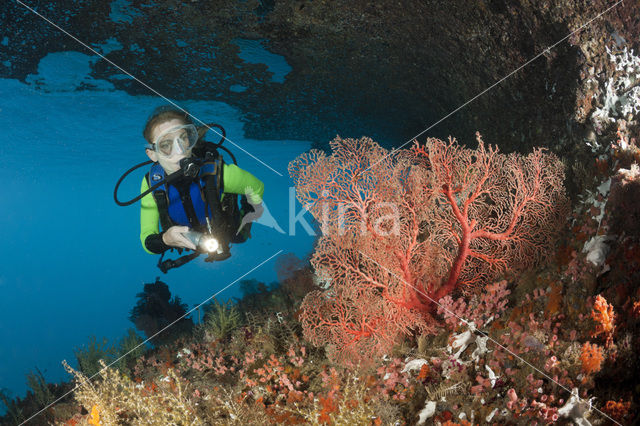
<point x="234" y="181"/>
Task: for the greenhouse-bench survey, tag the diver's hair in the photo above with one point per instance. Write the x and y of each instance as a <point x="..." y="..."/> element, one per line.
<point x="160" y="115"/>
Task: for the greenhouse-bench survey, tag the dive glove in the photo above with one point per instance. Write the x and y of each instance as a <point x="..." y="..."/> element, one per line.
<point x="175" y="237"/>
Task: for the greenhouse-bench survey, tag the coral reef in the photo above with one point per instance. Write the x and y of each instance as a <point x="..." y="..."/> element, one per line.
<point x="541" y="328"/>
<point x="513" y="360"/>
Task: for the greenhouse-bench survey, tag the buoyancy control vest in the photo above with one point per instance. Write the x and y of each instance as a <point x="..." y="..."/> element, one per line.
<point x="189" y="202"/>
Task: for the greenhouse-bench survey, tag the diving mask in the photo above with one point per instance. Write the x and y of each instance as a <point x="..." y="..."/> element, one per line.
<point x="175" y="140"/>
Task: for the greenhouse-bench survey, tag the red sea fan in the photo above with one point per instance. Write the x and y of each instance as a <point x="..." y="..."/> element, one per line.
<point x="402" y="230"/>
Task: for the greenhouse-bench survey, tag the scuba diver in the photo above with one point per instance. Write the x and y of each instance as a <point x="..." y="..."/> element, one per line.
<point x="191" y="193"/>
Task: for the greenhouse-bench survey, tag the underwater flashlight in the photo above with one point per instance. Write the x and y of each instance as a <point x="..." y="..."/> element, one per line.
<point x="209" y="243"/>
<point x="203" y="242"/>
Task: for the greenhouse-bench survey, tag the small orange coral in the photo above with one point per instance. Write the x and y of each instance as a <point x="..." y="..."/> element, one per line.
<point x="591" y="357"/>
<point x="329" y="406"/>
<point x="450" y="423"/>
<point x="554" y="299"/>
<point x="604" y="316"/>
<point x="424" y="372"/>
<point x="617" y="410"/>
<point x="95" y="416"/>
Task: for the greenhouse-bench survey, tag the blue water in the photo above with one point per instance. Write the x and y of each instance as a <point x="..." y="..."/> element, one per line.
<point x="72" y="261"/>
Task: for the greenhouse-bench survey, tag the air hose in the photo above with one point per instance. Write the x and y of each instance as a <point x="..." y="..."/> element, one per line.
<point x="168" y="179"/>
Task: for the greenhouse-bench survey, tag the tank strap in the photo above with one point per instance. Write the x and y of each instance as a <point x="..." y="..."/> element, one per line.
<point x="160" y="195"/>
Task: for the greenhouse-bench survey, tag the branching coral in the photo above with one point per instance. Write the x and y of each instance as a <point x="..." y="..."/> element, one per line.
<point x="591" y="358"/>
<point x="13" y="411"/>
<point x="131" y="347"/>
<point x="118" y="399"/>
<point x="88" y="358"/>
<point x="349" y="404"/>
<point x="490" y="304"/>
<point x="220" y="319"/>
<point x="40" y="388"/>
<point x="604" y="317"/>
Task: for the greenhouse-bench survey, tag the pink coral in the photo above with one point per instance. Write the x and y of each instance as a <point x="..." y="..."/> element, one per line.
<point x="513" y="398"/>
<point x="491" y="303"/>
<point x="394" y="382"/>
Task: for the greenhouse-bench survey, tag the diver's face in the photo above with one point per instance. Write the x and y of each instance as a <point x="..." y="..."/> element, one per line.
<point x="170" y="163"/>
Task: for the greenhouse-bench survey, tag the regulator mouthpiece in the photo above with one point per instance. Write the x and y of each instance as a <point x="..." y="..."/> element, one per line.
<point x="190" y="167"/>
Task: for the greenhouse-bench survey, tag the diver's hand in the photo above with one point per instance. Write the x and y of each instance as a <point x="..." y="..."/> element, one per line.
<point x="175" y="237"/>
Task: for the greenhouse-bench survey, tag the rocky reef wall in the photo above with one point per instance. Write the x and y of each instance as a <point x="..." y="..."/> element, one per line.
<point x="385" y="69"/>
